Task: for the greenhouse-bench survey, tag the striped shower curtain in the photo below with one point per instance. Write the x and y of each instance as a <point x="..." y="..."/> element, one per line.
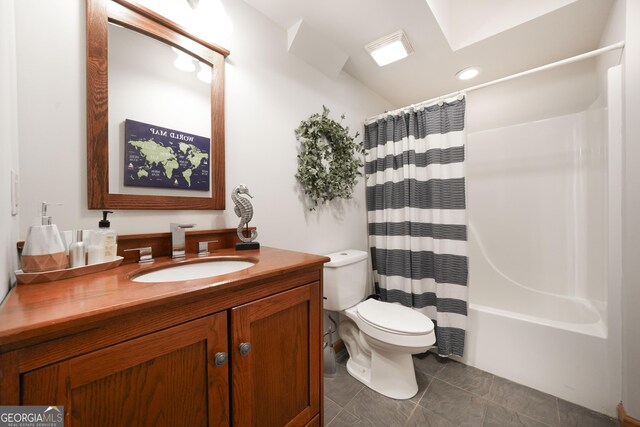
<point x="416" y="213"/>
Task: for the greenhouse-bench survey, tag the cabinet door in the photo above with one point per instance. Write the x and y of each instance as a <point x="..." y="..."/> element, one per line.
<point x="277" y="383"/>
<point x="167" y="378"/>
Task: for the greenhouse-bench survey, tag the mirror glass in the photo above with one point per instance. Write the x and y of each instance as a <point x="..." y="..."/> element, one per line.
<point x="162" y="91"/>
<point x="155" y="112"/>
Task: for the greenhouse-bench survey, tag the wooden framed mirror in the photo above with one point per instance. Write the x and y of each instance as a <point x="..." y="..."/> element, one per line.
<point x="101" y="172"/>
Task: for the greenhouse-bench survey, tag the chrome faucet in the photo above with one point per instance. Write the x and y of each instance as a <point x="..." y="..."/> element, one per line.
<point x="177" y="239"/>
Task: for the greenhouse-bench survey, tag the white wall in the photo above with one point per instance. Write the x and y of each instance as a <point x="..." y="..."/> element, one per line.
<point x="268" y="92"/>
<point x="8" y="145"/>
<point x="630" y="215"/>
<point x="622" y="25"/>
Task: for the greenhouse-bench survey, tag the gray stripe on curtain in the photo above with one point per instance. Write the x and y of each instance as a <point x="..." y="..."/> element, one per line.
<point x="449" y="340"/>
<point x="443" y="268"/>
<point x="432" y="194"/>
<point x="435" y="156"/>
<point x="444" y="305"/>
<point x="431" y="120"/>
<point x="406" y="228"/>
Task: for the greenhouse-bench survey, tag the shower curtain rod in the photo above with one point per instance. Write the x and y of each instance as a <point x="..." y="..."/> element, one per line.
<point x="571" y="60"/>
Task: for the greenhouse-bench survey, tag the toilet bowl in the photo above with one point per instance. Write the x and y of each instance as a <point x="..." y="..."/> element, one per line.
<point x="380" y="345"/>
<point x="380" y="337"/>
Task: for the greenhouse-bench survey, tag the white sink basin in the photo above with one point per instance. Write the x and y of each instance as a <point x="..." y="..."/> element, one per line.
<point x="196" y="270"/>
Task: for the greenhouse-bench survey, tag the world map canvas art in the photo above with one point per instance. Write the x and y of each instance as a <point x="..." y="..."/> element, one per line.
<point x="155" y="156"/>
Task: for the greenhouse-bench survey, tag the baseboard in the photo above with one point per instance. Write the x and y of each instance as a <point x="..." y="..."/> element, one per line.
<point x="626" y="420"/>
<point x="338" y="346"/>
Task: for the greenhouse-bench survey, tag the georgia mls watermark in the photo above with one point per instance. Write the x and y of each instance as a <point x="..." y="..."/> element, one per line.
<point x="31" y="416"/>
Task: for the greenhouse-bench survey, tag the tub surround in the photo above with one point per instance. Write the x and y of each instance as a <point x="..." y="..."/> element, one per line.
<point x="87" y="334"/>
<point x="551" y="286"/>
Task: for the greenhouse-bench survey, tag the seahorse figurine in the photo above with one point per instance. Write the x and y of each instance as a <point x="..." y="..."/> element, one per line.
<point x="244" y="210"/>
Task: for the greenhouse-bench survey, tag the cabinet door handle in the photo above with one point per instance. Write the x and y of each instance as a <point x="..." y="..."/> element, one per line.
<point x="245" y="348"/>
<point x="220" y="358"/>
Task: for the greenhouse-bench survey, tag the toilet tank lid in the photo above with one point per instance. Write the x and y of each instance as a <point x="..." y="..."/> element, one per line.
<point x="346" y="257"/>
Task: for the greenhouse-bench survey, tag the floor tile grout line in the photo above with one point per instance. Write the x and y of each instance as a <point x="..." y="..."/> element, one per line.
<point x="347" y="404"/>
<point x="464" y="389"/>
<point x="425" y="392"/>
<point x="426" y="388"/>
<point x="486" y="405"/>
<point x="484" y="413"/>
<point x="415" y="407"/>
<point x="556" y="424"/>
<point x="467" y="390"/>
<point x="335" y="403"/>
<point x="488" y="399"/>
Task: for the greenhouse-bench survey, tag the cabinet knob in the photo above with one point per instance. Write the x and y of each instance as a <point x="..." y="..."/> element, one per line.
<point x="245" y="348"/>
<point x="220" y="358"/>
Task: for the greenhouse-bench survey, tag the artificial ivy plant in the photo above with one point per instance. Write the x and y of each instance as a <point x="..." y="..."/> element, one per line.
<point x="329" y="161"/>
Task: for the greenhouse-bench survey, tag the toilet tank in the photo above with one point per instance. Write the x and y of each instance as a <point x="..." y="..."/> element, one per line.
<point x="345" y="279"/>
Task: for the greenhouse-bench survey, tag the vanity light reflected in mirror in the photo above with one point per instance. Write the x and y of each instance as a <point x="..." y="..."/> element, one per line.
<point x="205" y="73"/>
<point x="187" y="63"/>
<point x="183" y="62"/>
<point x="106" y="169"/>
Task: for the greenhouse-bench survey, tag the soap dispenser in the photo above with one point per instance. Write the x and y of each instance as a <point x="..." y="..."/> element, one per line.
<point x="103" y="244"/>
<point x="109" y="238"/>
<point x="43" y="248"/>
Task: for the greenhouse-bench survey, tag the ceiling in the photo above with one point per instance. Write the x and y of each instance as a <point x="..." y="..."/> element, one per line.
<point x="500" y="36"/>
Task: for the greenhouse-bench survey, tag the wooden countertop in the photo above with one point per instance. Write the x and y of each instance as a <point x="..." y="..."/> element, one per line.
<point x="39" y="311"/>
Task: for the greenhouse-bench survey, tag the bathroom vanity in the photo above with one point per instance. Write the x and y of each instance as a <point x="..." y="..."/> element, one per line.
<point x="238" y="349"/>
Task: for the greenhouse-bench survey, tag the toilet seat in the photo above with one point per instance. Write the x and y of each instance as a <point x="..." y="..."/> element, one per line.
<point x="394" y="318"/>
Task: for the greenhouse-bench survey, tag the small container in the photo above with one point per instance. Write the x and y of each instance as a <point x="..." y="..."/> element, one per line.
<point x="77" y="257"/>
<point x="43" y="248"/>
<point x="109" y="238"/>
<point x="95" y="248"/>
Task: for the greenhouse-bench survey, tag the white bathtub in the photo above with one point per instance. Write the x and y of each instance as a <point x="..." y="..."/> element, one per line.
<point x="573" y="366"/>
<point x="551" y="343"/>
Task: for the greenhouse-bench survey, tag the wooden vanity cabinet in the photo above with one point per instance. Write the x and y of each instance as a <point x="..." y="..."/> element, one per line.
<point x="277" y="383"/>
<point x="169" y="377"/>
<point x="166" y="378"/>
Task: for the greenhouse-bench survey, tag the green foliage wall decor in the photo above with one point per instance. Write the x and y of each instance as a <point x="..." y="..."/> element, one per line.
<point x="328" y="163"/>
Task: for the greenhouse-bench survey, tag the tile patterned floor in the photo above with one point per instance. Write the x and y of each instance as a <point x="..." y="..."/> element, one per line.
<point x="451" y="394"/>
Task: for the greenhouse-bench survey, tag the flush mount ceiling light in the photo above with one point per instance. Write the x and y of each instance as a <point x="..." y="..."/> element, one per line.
<point x="468" y="73"/>
<point x="390" y="48"/>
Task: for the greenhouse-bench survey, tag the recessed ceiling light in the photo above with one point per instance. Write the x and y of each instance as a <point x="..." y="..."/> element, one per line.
<point x="468" y="73"/>
<point x="390" y="48"/>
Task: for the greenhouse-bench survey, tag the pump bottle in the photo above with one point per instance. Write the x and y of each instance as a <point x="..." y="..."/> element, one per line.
<point x="110" y="238"/>
<point x="43" y="248"/>
<point x="104" y="242"/>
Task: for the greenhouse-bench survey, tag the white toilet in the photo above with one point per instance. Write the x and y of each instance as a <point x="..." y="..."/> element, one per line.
<point x="380" y="336"/>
